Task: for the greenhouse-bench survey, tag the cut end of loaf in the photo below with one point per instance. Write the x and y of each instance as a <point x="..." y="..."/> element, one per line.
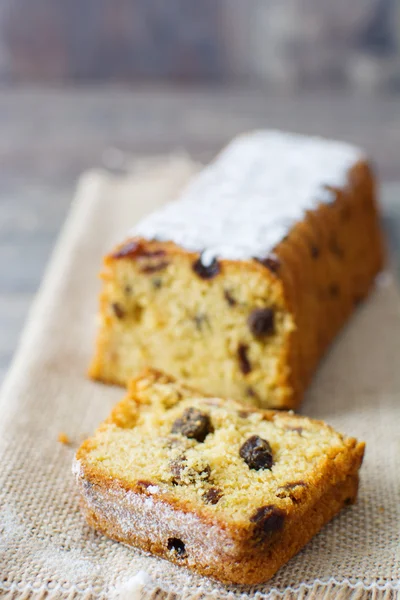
<point x="223" y="328"/>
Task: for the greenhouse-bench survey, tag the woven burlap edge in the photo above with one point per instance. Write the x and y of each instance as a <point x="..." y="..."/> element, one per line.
<point x="319" y="590"/>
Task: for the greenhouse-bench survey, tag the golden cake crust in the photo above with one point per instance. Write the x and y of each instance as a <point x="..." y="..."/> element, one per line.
<point x="313" y="280"/>
<point x="231" y="541"/>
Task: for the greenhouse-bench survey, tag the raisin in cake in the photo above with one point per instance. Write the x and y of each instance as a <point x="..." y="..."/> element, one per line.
<point x="230" y="491"/>
<point x="239" y="286"/>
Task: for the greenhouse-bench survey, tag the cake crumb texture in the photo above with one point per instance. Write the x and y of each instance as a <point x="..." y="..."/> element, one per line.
<point x="230" y="491"/>
<point x="63" y="438"/>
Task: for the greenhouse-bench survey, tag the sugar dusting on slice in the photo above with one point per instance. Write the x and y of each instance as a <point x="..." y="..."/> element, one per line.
<point x="77" y="468"/>
<point x="248" y="199"/>
<point x="132" y="588"/>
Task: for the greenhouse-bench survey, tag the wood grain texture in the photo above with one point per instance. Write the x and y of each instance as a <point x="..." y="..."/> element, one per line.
<point x="291" y="43"/>
<point x="48" y="137"/>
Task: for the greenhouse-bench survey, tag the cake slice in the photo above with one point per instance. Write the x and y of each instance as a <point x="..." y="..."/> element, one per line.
<point x="229" y="491"/>
<point x="240" y="285"/>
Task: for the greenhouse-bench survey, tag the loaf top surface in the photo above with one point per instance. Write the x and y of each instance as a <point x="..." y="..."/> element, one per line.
<point x="214" y="457"/>
<point x="247" y="200"/>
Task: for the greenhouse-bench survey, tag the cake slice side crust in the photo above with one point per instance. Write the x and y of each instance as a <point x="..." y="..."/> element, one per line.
<point x="182" y="538"/>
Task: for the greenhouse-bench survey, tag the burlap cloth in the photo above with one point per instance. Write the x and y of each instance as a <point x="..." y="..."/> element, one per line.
<point x="47" y="551"/>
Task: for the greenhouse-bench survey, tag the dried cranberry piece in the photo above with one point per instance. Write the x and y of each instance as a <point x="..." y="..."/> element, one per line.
<point x="292" y="490"/>
<point x="148" y="269"/>
<point x="129" y="249"/>
<point x="177" y="546"/>
<point x="244" y="363"/>
<point x="212" y="496"/>
<point x="271" y="262"/>
<point x="183" y="474"/>
<point x="261" y="322"/>
<point x="206" y="271"/>
<point x="267" y="519"/>
<point x="193" y="424"/>
<point x="229" y="298"/>
<point x="257" y="453"/>
<point x="118" y="310"/>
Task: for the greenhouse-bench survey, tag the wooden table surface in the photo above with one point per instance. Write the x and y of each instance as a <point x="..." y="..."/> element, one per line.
<point x="48" y="137"/>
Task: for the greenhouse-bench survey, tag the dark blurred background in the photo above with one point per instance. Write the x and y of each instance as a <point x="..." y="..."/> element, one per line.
<point x="87" y="83"/>
<point x="291" y="43"/>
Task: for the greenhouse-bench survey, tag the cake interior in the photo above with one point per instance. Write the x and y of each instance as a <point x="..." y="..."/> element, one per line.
<point x="225" y="333"/>
<point x="144" y="446"/>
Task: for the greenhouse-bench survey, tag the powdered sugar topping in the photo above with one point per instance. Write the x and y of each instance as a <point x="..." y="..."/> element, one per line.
<point x="247" y="200"/>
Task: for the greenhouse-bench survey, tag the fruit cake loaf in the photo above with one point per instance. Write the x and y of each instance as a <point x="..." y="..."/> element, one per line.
<point x="239" y="286"/>
<point x="230" y="491"/>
